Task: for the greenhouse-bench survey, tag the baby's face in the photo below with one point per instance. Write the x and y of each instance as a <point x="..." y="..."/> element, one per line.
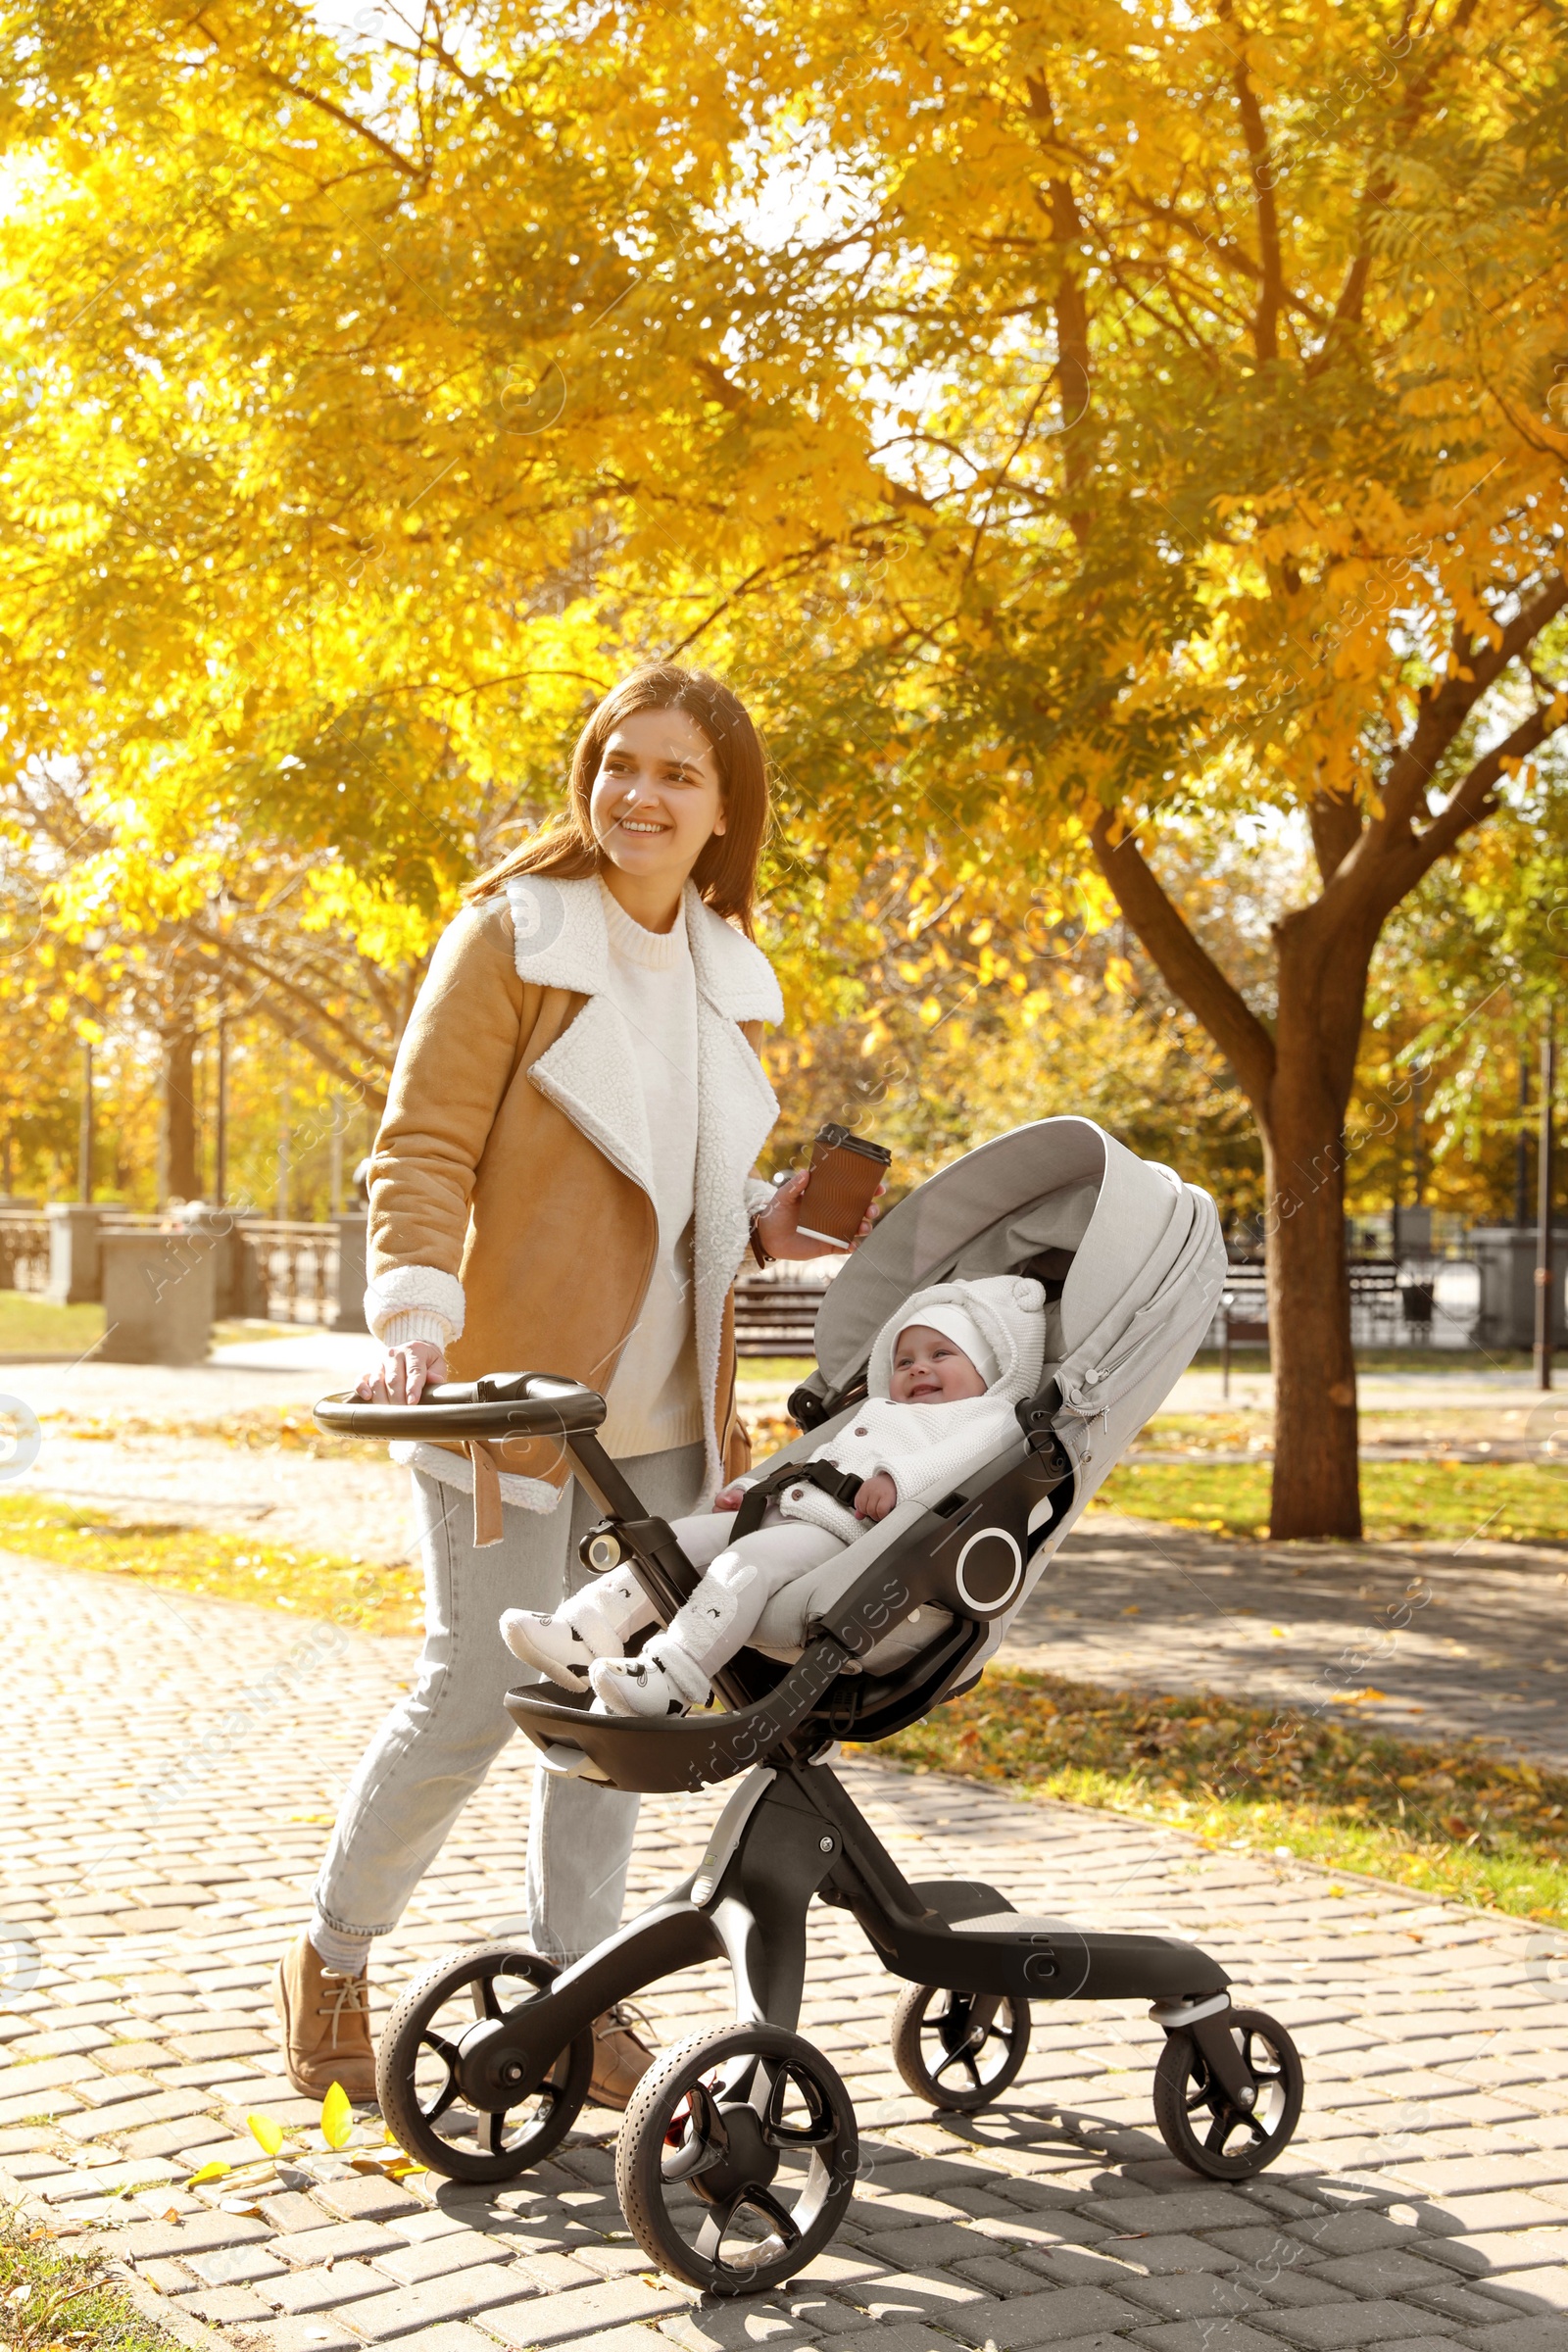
<point x="929" y="1368"/>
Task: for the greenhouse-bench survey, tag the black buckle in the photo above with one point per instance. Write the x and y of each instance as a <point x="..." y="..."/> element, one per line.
<point x="841" y="1484"/>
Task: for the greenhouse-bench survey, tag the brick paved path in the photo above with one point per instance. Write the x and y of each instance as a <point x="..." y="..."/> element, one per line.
<point x="171" y="1768"/>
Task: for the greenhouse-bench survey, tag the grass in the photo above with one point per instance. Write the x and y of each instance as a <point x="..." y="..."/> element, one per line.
<point x="248" y="1330"/>
<point x="1463" y="1362"/>
<point x="1441" y="1821"/>
<point x="1429" y="1501"/>
<point x="262" y="1429"/>
<point x="52" y="2298"/>
<point x="30" y="1326"/>
<point x="366" y="1595"/>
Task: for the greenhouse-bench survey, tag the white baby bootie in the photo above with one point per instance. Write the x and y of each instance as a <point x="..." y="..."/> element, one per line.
<point x="664" y="1679"/>
<point x="558" y="1649"/>
<point x="593" y="1623"/>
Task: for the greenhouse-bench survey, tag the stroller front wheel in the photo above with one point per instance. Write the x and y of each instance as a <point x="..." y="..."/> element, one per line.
<point x="959" y="2050"/>
<point x="737" y="2159"/>
<point x="417" y="2075"/>
<point x="1198" y="2121"/>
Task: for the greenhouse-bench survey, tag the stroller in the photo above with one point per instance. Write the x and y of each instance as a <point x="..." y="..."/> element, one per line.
<point x="737" y="2155"/>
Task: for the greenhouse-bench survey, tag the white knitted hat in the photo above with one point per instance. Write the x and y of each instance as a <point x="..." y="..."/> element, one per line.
<point x="1006" y="1309"/>
<point x="956" y="1323"/>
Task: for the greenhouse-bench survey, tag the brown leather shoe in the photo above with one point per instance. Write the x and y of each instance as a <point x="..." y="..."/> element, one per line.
<point x="621" y="2060"/>
<point x="327" y="2025"/>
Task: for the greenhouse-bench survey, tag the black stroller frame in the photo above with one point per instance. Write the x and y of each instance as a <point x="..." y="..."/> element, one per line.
<point x="725" y="2124"/>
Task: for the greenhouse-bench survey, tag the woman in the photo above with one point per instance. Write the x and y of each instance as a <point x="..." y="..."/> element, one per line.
<point x="562" y="1182"/>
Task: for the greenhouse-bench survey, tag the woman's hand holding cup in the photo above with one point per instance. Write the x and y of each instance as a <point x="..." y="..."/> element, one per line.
<point x="403" y="1374"/>
<point x="777" y="1226"/>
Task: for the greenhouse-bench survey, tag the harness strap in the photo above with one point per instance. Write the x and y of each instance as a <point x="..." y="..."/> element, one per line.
<point x="841" y="1484"/>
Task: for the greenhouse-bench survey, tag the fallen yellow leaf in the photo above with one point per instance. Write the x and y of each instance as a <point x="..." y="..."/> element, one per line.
<point x="337" y="2117"/>
<point x="266" y="2134"/>
<point x="209" y="2172"/>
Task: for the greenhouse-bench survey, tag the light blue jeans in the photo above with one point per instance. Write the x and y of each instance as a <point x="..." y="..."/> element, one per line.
<point x="440" y="1740"/>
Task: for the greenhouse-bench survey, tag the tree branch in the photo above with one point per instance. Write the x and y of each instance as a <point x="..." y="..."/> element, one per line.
<point x="1336" y="826"/>
<point x="1271" y="290"/>
<point x="290" y="1025"/>
<point x="1466" y="805"/>
<point x="1186" y="967"/>
<point x="738" y="403"/>
<point x="1353" y="294"/>
<point x="1071" y="314"/>
<point x="1445" y="708"/>
<point x="345" y="121"/>
<point x="234" y="951"/>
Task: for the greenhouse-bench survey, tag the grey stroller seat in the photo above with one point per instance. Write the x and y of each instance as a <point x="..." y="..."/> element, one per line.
<point x="1137" y="1261"/>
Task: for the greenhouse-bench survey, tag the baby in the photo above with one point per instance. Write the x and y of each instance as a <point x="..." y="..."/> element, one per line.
<point x="945" y="1376"/>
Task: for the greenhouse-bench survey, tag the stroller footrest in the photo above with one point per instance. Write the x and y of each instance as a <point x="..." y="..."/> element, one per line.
<point x="680" y="1752"/>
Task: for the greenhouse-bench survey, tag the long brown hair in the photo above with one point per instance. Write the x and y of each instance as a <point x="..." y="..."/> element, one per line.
<point x="725" y="874"/>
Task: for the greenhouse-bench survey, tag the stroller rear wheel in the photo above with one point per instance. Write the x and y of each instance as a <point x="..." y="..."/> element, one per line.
<point x="417" y="2069"/>
<point x="737" y="2159"/>
<point x="1235" y="2142"/>
<point x="959" y="2050"/>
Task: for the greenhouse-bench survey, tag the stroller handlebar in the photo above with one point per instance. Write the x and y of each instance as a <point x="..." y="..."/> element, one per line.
<point x="500" y="1404"/>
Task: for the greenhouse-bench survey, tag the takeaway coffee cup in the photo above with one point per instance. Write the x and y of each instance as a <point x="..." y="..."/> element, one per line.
<point x="846" y="1171"/>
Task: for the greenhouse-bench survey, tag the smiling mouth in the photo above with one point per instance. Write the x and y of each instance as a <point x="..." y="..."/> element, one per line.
<point x="639" y="824"/>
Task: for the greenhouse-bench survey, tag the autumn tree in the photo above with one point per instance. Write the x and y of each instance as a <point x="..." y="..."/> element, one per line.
<point x="1234" y="453"/>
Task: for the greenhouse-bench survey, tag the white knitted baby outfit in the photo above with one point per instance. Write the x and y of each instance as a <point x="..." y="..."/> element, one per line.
<point x="927" y="1449"/>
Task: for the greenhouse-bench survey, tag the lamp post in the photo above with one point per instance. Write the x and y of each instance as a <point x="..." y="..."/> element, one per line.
<point x="1543" y="1270"/>
<point x="220" y="1109"/>
<point x="85" y="1126"/>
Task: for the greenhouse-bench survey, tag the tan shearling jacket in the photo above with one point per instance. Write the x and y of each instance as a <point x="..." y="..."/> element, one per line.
<point x="510" y="1185"/>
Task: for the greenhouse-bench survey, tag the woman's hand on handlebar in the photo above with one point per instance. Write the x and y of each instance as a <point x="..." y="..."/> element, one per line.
<point x="777" y="1226"/>
<point x="403" y="1374"/>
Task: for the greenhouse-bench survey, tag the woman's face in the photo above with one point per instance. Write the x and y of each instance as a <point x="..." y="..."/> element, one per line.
<point x="656" y="801"/>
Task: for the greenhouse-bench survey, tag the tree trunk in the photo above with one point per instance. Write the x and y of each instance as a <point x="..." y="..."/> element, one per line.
<point x="1322" y="979"/>
<point x="1316" y="1483"/>
<point x="181" y="1178"/>
<point x="1297" y="1080"/>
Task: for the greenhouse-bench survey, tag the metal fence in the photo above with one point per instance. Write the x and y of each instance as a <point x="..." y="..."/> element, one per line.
<point x="283" y="1270"/>
<point x="1420" y="1302"/>
<point x="271" y="1269"/>
<point x="1428" y="1302"/>
<point x="288" y="1270"/>
<point x="23" y="1250"/>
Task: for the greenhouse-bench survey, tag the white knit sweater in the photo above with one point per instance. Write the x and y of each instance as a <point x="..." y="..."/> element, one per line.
<point x="654" y="1400"/>
<point x="926" y="1449"/>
